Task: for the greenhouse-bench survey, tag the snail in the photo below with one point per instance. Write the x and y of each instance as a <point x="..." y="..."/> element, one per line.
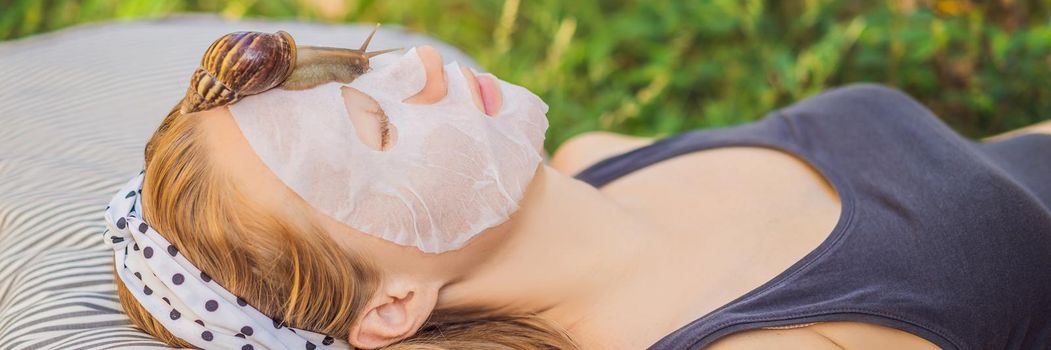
<point x="241" y="64"/>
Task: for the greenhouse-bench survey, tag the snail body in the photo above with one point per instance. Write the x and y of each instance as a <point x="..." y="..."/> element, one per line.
<point x="317" y="65"/>
<point x="241" y="64"/>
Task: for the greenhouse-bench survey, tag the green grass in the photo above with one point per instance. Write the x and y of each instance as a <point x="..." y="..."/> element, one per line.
<point x="654" y="68"/>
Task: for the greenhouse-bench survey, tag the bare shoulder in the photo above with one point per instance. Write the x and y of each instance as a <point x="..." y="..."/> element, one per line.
<point x="588" y="148"/>
<point x="825" y="335"/>
<point x="1043" y="127"/>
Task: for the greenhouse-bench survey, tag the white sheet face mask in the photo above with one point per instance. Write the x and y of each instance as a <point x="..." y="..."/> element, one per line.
<point x="451" y="173"/>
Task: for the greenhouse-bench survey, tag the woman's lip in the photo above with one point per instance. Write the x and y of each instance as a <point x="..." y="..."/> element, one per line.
<point x="490" y="93"/>
<point x="476" y="90"/>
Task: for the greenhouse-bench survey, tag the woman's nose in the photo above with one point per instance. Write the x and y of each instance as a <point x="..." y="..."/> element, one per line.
<point x="435" y="87"/>
<point x="430" y="56"/>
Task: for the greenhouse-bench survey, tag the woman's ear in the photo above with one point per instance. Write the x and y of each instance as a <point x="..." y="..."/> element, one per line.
<point x="396" y="312"/>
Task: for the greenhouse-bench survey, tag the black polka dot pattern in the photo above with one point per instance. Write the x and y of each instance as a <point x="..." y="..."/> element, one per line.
<point x="186" y="290"/>
<point x="211" y="305"/>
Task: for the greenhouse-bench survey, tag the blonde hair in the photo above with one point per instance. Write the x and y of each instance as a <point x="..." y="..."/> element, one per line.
<point x="282" y="264"/>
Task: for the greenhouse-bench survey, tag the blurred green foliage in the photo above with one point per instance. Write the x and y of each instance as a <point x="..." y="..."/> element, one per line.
<point x="654" y="68"/>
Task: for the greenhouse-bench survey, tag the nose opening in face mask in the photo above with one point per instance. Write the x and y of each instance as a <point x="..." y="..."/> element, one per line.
<point x="371" y="124"/>
<point x="436" y="86"/>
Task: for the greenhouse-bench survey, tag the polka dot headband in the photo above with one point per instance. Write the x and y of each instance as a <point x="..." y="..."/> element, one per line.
<point x="185" y="300"/>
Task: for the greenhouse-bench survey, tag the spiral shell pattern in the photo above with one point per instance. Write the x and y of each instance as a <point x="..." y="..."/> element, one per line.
<point x="240" y="64"/>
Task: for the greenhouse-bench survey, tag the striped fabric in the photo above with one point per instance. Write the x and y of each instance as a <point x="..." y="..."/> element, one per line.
<point x="76" y="108"/>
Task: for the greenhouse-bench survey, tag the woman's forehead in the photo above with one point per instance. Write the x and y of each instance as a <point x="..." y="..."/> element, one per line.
<point x="230" y="153"/>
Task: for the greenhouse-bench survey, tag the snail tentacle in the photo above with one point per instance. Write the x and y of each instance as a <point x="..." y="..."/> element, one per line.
<point x="318" y="65"/>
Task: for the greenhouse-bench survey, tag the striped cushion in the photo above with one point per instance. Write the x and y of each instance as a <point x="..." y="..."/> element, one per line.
<point x="76" y="108"/>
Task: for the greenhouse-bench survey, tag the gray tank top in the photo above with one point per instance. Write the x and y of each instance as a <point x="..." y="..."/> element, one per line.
<point x="940" y="236"/>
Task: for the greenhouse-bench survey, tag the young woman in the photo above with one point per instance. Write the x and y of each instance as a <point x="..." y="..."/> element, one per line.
<point x="854" y="219"/>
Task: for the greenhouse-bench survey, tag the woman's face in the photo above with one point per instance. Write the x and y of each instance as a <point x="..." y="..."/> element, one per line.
<point x="415" y="152"/>
<point x="422" y="85"/>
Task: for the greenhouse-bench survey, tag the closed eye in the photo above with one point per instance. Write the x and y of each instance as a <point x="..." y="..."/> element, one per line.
<point x="384" y="126"/>
<point x="371" y="124"/>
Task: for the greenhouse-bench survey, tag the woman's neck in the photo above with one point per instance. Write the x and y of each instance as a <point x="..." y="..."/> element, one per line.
<point x="567" y="253"/>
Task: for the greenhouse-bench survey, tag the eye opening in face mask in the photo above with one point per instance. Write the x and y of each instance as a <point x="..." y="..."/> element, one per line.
<point x="371" y="124"/>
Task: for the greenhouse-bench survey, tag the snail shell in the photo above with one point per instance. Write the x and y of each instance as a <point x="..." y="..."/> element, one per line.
<point x="240" y="64"/>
